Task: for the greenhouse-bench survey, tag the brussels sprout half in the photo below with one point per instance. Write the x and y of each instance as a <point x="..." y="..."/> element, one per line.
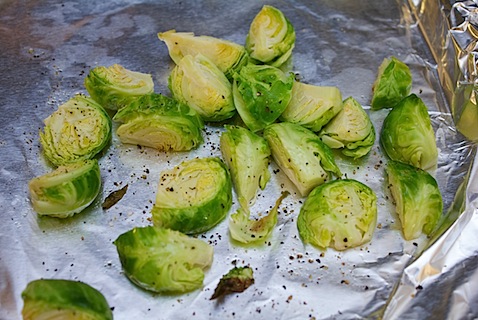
<point x="417" y="198"/>
<point x="351" y="131"/>
<point x="160" y="122"/>
<point x="228" y="56"/>
<point x="312" y="106"/>
<point x="115" y="87"/>
<point x="163" y="260"/>
<point x="340" y="214"/>
<point x="271" y="37"/>
<point x="300" y="153"/>
<point x="200" y="84"/>
<point x="194" y="196"/>
<point x="247" y="157"/>
<point x="77" y="131"/>
<point x="261" y="93"/>
<point x="63" y="299"/>
<point x="67" y="190"/>
<point x="407" y="134"/>
<point x="393" y="83"/>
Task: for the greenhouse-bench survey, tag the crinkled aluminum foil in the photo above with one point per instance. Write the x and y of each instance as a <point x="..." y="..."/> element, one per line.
<point x="46" y="51"/>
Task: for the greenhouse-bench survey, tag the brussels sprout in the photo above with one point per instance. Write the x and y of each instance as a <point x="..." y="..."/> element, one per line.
<point x="160" y="122"/>
<point x="163" y="260"/>
<point x="63" y="299"/>
<point x="300" y="153"/>
<point x="199" y="83"/>
<point x="312" y="106"/>
<point x="67" y="190"/>
<point x="340" y="214"/>
<point x="115" y="87"/>
<point x="271" y="37"/>
<point x="351" y="130"/>
<point x="261" y="93"/>
<point x="78" y="130"/>
<point x="236" y="280"/>
<point x="417" y="198"/>
<point x="393" y="83"/>
<point x="247" y="157"/>
<point x="228" y="56"/>
<point x="246" y="230"/>
<point x="194" y="196"/>
<point x="407" y="134"/>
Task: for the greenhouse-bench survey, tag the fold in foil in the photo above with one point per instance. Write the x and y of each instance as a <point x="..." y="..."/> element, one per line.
<point x="46" y="51"/>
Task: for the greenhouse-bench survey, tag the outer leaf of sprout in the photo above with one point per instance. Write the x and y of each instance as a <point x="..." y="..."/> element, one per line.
<point x="77" y="131"/>
<point x="236" y="280"/>
<point x="247" y="157"/>
<point x="200" y="84"/>
<point x="300" y="153"/>
<point x="312" y="106"/>
<point x="67" y="190"/>
<point x="417" y="198"/>
<point x="160" y="122"/>
<point x="340" y="214"/>
<point x="163" y="260"/>
<point x="194" y="196"/>
<point x="63" y="299"/>
<point x="115" y="87"/>
<point x="407" y="134"/>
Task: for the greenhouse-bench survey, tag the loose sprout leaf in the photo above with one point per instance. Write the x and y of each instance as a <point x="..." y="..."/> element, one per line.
<point x="114" y="197"/>
<point x="236" y="280"/>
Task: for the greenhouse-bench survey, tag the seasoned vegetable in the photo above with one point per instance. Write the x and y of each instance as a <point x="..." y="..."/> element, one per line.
<point x="115" y="87"/>
<point x="236" y="280"/>
<point x="63" y="299"/>
<point x="163" y="260"/>
<point x="393" y="83"/>
<point x="200" y="84"/>
<point x="340" y="214"/>
<point x="300" y="153"/>
<point x="407" y="134"/>
<point x="194" y="196"/>
<point x="271" y="37"/>
<point x="351" y="130"/>
<point x="160" y="122"/>
<point x="227" y="55"/>
<point x="246" y="230"/>
<point x="78" y="130"/>
<point x="312" y="106"/>
<point x="417" y="198"/>
<point x="261" y="93"/>
<point x="247" y="157"/>
<point x="114" y="197"/>
<point x="67" y="190"/>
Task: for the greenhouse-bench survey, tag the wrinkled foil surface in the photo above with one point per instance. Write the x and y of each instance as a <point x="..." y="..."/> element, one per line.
<point x="47" y="50"/>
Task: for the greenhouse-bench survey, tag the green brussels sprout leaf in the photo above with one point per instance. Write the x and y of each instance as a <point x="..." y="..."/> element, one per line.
<point x="236" y="280"/>
<point x="114" y="197"/>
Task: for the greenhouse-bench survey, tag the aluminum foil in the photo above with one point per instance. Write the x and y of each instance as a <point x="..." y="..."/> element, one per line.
<point x="46" y="51"/>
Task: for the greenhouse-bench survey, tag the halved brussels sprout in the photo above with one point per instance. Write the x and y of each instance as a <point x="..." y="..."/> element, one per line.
<point x="417" y="198"/>
<point x="340" y="214"/>
<point x="77" y="131"/>
<point x="163" y="260"/>
<point x="300" y="153"/>
<point x="199" y="83"/>
<point x="115" y="87"/>
<point x="67" y="190"/>
<point x="351" y="130"/>
<point x="407" y="134"/>
<point x="393" y="83"/>
<point x="261" y="93"/>
<point x="271" y="37"/>
<point x="312" y="106"/>
<point x="63" y="299"/>
<point x="247" y="157"/>
<point x="160" y="122"/>
<point x="227" y="55"/>
<point x="194" y="196"/>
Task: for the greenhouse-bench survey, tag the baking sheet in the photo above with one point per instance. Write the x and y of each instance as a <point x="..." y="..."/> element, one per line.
<point x="46" y="51"/>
